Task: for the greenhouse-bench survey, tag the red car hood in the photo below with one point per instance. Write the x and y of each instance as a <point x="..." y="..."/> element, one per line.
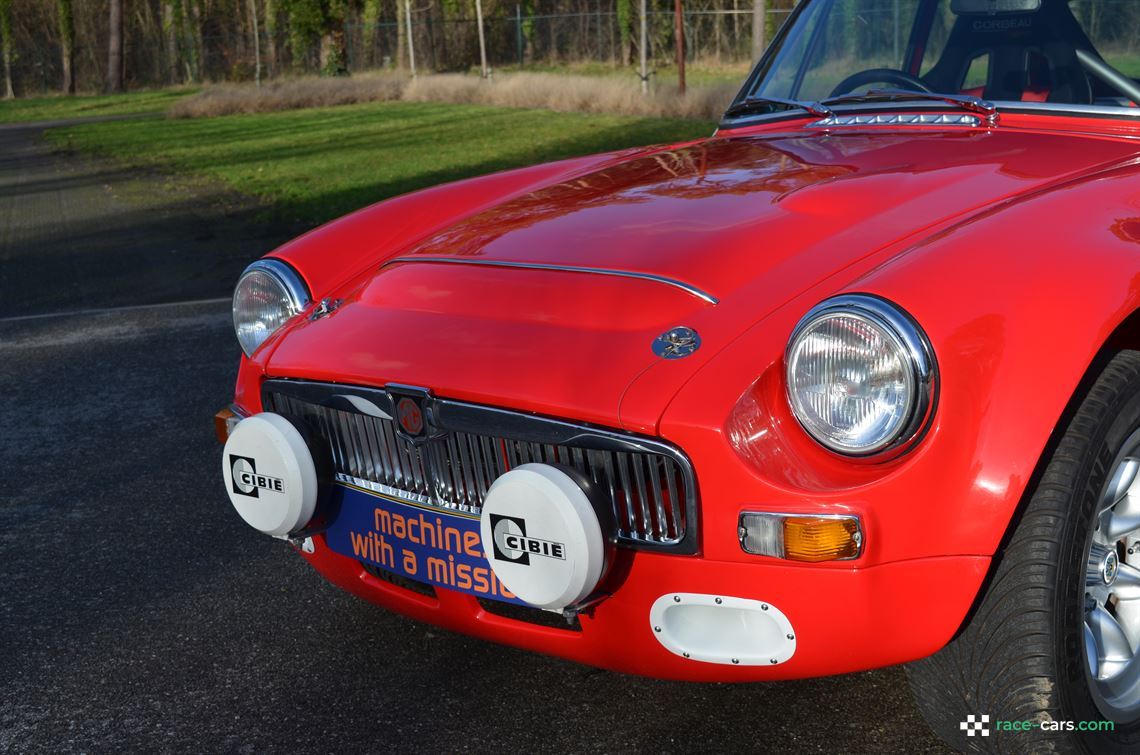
<point x="761" y="218"/>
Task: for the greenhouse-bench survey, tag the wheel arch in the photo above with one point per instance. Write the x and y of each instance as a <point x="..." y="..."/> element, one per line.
<point x="1124" y="337"/>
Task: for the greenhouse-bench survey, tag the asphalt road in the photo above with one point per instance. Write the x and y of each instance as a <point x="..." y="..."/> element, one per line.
<point x="138" y="613"/>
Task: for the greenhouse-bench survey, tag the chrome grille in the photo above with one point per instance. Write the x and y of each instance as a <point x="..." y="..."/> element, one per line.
<point x="649" y="485"/>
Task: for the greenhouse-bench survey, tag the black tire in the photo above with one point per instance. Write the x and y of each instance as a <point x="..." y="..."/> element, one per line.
<point x="1020" y="656"/>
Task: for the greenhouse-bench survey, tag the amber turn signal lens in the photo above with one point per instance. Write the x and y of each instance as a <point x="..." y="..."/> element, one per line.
<point x="801" y="538"/>
<point x="224" y="423"/>
<point x="813" y="539"/>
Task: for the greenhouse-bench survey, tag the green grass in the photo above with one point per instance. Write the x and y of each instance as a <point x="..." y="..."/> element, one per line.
<point x="1127" y="63"/>
<point x="314" y="165"/>
<point x="85" y="106"/>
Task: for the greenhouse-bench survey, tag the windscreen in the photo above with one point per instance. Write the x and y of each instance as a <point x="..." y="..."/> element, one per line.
<point x="1085" y="52"/>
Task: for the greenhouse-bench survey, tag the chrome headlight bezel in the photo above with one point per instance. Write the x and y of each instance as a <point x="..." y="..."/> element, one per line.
<point x="294" y="293"/>
<point x="903" y="331"/>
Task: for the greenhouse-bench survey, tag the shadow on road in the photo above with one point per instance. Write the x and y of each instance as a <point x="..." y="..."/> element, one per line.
<point x="79" y="233"/>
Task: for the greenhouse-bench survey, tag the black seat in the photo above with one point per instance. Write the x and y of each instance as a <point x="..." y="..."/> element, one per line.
<point x="1027" y="51"/>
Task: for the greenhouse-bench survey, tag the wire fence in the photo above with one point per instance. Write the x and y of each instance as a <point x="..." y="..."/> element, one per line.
<point x="710" y="36"/>
<point x="515" y="40"/>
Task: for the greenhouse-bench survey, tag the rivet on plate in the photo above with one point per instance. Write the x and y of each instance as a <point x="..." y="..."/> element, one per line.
<point x="791" y="636"/>
<point x="736" y="660"/>
<point x="719" y="601"/>
<point x="676" y="598"/>
<point x="658" y="629"/>
<point x="763" y="606"/>
<point x="774" y="661"/>
<point x="685" y="654"/>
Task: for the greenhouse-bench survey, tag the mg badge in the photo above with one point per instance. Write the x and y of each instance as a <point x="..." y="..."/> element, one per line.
<point x="676" y="343"/>
<point x="413" y="412"/>
<point x="410" y="416"/>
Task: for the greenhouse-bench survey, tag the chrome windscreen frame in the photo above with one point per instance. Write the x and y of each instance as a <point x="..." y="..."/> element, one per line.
<point x="451" y="416"/>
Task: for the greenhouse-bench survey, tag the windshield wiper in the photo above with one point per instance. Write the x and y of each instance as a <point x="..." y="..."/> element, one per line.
<point x="977" y="105"/>
<point x="749" y="104"/>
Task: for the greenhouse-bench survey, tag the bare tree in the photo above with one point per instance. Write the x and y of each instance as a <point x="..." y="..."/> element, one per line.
<point x="624" y="10"/>
<point x="6" y="50"/>
<point x="256" y="41"/>
<point x="271" y="36"/>
<point x="170" y="16"/>
<point x="403" y="30"/>
<point x="370" y="19"/>
<point x="67" y="45"/>
<point x="193" y="14"/>
<point x="759" y="20"/>
<point x="115" y="48"/>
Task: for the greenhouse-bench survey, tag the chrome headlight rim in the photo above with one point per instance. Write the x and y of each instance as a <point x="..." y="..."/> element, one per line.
<point x="291" y="284"/>
<point x="899" y="326"/>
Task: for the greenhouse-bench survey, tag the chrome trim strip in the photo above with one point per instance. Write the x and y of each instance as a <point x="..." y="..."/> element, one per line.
<point x="686" y="287"/>
<point x="387" y="490"/>
<point x="983" y="107"/>
<point x="289" y="279"/>
<point x="1003" y="106"/>
<point x="1062" y="108"/>
<point x="899" y="119"/>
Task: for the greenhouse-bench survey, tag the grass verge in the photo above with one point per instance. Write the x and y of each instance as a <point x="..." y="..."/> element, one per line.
<point x="732" y="74"/>
<point x="317" y="164"/>
<point x="563" y="92"/>
<point x="87" y="106"/>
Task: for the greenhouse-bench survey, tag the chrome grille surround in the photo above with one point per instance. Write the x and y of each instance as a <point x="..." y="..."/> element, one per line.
<point x="649" y="484"/>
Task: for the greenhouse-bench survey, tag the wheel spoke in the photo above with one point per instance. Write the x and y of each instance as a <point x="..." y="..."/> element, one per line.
<point x="1111" y="641"/>
<point x="1127" y="584"/>
<point x="1091" y="652"/>
<point x="1121" y="482"/>
<point x="1120" y="523"/>
<point x="1124" y="684"/>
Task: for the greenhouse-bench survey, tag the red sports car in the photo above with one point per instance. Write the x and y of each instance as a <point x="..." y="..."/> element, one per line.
<point x="853" y="382"/>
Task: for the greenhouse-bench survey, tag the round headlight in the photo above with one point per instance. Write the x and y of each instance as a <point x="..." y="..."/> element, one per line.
<point x="861" y="375"/>
<point x="267" y="294"/>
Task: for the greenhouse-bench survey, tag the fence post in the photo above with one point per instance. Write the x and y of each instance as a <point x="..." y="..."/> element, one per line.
<point x="482" y="39"/>
<point x="519" y="32"/>
<point x="644" y="45"/>
<point x="411" y="43"/>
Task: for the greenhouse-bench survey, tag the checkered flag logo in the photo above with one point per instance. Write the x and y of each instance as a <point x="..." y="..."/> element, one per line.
<point x="976" y="725"/>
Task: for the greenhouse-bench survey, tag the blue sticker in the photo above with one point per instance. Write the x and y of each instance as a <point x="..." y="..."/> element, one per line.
<point x="423" y="544"/>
